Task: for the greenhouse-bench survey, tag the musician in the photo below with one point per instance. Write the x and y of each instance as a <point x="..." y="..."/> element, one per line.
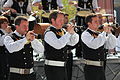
<point x="56" y="40"/>
<point x="69" y="60"/>
<point x="4" y="31"/>
<point x="47" y="6"/>
<point x="18" y="6"/>
<point x="83" y="5"/>
<point x="20" y="45"/>
<point x="94" y="48"/>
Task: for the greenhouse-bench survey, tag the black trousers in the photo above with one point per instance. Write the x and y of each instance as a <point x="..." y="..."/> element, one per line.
<point x="15" y="76"/>
<point x="69" y="64"/>
<point x="55" y="72"/>
<point x="94" y="73"/>
<point x="4" y="67"/>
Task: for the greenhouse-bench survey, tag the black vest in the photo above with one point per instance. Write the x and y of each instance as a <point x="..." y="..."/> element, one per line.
<point x="52" y="53"/>
<point x="17" y="7"/>
<point x="81" y="3"/>
<point x="52" y="4"/>
<point x="1" y="47"/>
<point x="22" y="58"/>
<point x="93" y="54"/>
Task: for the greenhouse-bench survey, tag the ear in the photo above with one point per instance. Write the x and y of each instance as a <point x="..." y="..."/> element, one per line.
<point x="52" y="20"/>
<point x="88" y="23"/>
<point x="16" y="26"/>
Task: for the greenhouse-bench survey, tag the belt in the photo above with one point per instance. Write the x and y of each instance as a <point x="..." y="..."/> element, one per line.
<point x="94" y="63"/>
<point x="55" y="63"/>
<point x="21" y="71"/>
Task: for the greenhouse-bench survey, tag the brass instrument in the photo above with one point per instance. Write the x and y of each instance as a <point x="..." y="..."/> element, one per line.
<point x="115" y="26"/>
<point x="84" y="12"/>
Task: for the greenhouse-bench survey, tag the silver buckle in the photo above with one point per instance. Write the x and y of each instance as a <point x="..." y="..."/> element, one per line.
<point x="26" y="71"/>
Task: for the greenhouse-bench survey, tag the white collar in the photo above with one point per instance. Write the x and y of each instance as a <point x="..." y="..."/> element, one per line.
<point x="18" y="34"/>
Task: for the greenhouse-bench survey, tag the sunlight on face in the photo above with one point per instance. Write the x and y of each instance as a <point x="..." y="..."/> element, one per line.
<point x="23" y="27"/>
<point x="95" y="23"/>
<point x="59" y="21"/>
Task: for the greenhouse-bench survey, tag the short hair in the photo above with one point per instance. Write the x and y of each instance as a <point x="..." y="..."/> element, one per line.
<point x="89" y="18"/>
<point x="2" y="20"/>
<point x="66" y="14"/>
<point x="18" y="19"/>
<point x="54" y="15"/>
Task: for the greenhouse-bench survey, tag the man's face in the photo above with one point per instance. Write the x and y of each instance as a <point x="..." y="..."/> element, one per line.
<point x="23" y="27"/>
<point x="94" y="24"/>
<point x="66" y="19"/>
<point x="59" y="21"/>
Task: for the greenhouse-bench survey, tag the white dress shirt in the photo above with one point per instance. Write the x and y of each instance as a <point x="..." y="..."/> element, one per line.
<point x="108" y="41"/>
<point x="94" y="3"/>
<point x="67" y="39"/>
<point x="9" y="3"/>
<point x="14" y="46"/>
<point x="59" y="2"/>
<point x="1" y="4"/>
<point x="118" y="43"/>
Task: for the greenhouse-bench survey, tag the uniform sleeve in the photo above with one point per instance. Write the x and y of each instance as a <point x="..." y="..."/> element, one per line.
<point x="37" y="46"/>
<point x="13" y="46"/>
<point x="93" y="42"/>
<point x="29" y="8"/>
<point x="95" y="4"/>
<point x="9" y="3"/>
<point x="59" y="3"/>
<point x="1" y="39"/>
<point x="118" y="44"/>
<point x="73" y="39"/>
<point x="35" y="1"/>
<point x="53" y="41"/>
<point x="110" y="42"/>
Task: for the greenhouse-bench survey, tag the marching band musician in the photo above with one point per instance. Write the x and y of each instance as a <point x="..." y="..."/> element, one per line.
<point x="83" y="5"/>
<point x="45" y="4"/>
<point x="69" y="60"/>
<point x="18" y="6"/>
<point x="94" y="48"/>
<point x="56" y="39"/>
<point x="4" y="31"/>
<point x="20" y="45"/>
